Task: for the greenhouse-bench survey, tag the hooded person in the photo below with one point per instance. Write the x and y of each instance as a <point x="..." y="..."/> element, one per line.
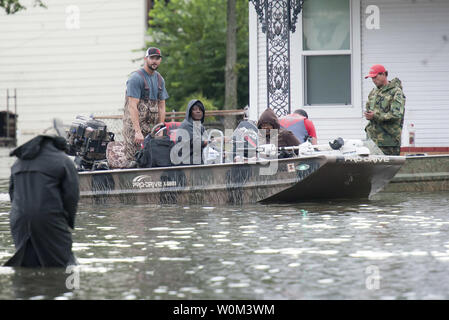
<point x="44" y="194"/>
<point x="268" y="120"/>
<point x="190" y="135"/>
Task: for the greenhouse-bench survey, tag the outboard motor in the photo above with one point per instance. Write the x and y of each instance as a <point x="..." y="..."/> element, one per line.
<point x="87" y="140"/>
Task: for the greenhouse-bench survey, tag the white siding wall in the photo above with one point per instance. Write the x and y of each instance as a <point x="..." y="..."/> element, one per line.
<point x="413" y="44"/>
<point x="330" y="122"/>
<point x="258" y="65"/>
<point x="62" y="72"/>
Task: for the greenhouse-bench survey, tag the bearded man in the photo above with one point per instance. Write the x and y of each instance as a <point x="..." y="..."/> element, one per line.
<point x="144" y="104"/>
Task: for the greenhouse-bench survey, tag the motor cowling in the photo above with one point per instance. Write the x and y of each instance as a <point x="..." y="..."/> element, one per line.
<point x="88" y="139"/>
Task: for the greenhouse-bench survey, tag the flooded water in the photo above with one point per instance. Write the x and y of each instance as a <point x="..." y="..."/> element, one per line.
<point x="394" y="246"/>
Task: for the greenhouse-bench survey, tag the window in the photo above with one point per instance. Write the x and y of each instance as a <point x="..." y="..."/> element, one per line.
<point x="326" y="52"/>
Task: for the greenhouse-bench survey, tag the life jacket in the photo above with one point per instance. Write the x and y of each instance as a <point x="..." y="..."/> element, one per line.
<point x="171" y="129"/>
<point x="296" y="125"/>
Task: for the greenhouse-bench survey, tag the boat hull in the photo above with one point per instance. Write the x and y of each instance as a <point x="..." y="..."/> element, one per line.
<point x="422" y="174"/>
<point x="284" y="180"/>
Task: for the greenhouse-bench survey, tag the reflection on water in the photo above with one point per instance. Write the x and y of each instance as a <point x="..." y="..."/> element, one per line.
<point x="394" y="246"/>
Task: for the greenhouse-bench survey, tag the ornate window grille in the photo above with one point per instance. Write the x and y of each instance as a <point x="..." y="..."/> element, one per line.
<point x="278" y="18"/>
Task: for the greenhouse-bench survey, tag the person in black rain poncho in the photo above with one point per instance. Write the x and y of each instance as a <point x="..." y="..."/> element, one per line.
<point x="44" y="194"/>
<point x="190" y="135"/>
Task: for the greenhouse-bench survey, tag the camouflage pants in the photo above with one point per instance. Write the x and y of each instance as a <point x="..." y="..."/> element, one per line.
<point x="148" y="117"/>
<point x="391" y="151"/>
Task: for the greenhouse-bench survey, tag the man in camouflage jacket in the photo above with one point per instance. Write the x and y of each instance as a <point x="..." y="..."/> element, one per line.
<point x="385" y="111"/>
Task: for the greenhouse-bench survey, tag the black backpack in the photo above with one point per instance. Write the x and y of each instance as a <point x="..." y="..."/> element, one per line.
<point x="155" y="152"/>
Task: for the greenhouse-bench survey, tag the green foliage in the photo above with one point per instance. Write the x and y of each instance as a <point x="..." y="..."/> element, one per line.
<point x="192" y="37"/>
<point x="13" y="6"/>
<point x="207" y="103"/>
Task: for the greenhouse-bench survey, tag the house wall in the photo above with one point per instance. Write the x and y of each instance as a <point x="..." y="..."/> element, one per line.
<point x="330" y="121"/>
<point x="412" y="41"/>
<point x="63" y="66"/>
<point x="257" y="66"/>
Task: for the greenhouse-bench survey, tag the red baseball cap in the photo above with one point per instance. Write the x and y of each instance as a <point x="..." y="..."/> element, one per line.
<point x="152" y="51"/>
<point x="375" y="70"/>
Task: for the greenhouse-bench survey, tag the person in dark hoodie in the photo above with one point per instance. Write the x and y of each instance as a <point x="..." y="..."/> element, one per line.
<point x="190" y="135"/>
<point x="269" y="121"/>
<point x="44" y="194"/>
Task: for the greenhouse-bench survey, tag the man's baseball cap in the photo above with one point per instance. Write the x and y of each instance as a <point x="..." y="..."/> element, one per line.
<point x="152" y="51"/>
<point x="302" y="112"/>
<point x="375" y="70"/>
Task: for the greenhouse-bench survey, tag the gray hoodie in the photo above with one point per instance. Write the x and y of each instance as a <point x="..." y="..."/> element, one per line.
<point x="195" y="130"/>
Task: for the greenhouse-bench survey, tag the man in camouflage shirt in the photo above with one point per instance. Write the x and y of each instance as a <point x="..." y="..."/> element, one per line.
<point x="385" y="111"/>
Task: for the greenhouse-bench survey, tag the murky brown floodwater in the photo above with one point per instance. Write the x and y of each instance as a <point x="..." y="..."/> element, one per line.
<point x="395" y="246"/>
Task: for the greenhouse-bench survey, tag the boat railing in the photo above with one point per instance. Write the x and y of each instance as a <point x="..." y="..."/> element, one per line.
<point x="220" y="141"/>
<point x="215" y="119"/>
<point x="244" y="143"/>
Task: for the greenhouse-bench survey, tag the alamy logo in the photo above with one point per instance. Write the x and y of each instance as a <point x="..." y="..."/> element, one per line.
<point x="372" y="22"/>
<point x="372" y="281"/>
<point x="72" y="20"/>
<point x="73" y="280"/>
